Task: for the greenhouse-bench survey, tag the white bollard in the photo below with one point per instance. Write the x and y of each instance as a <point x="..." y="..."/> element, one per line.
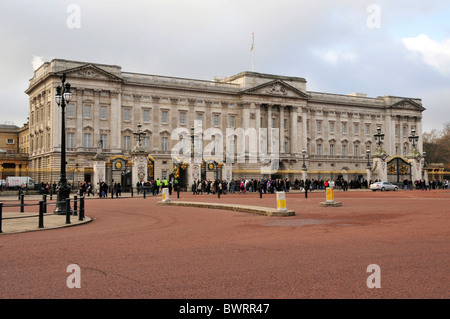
<point x="281" y="201"/>
<point x="165" y="195"/>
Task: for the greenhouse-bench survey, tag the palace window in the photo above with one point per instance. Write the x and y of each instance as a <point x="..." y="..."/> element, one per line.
<point x="331" y="127"/>
<point x="104" y="140"/>
<point x="70" y="140"/>
<point x="232" y="121"/>
<point x="146" y="143"/>
<point x="126" y="115"/>
<point x="126" y="142"/>
<point x="103" y="112"/>
<point x="182" y="118"/>
<point x="164" y="144"/>
<point x="216" y="119"/>
<point x="146" y="116"/>
<point x="70" y="110"/>
<point x="87" y="141"/>
<point x="87" y="112"/>
<point x="164" y="117"/>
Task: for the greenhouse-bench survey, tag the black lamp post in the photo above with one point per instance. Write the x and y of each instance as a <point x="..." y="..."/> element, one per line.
<point x="62" y="96"/>
<point x="379" y="136"/>
<point x="413" y="138"/>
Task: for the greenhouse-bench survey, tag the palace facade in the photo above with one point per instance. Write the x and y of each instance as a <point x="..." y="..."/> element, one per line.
<point x="108" y="104"/>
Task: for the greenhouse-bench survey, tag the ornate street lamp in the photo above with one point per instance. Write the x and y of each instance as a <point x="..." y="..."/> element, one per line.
<point x="139" y="133"/>
<point x="368" y="157"/>
<point x="413" y="138"/>
<point x="379" y="136"/>
<point x="63" y="96"/>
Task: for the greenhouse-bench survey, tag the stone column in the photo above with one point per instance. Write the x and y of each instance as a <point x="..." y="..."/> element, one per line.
<point x="368" y="176"/>
<point x="139" y="173"/>
<point x="96" y="117"/>
<point x="294" y="131"/>
<point x="99" y="164"/>
<point x="79" y="120"/>
<point x="282" y="129"/>
<point x="416" y="167"/>
<point x="228" y="172"/>
<point x="269" y="129"/>
<point x="194" y="173"/>
<point x="116" y="122"/>
<point x="246" y="122"/>
<point x="380" y="167"/>
<point x="305" y="129"/>
<point x="258" y="116"/>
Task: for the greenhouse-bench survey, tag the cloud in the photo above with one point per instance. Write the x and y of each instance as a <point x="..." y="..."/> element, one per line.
<point x="37" y="61"/>
<point x="435" y="54"/>
<point x="334" y="56"/>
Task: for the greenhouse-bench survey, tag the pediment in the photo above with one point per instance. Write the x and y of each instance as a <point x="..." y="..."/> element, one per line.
<point x="90" y="71"/>
<point x="407" y="104"/>
<point x="277" y="88"/>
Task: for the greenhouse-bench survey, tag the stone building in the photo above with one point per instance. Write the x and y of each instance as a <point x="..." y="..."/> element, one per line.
<point x="13" y="150"/>
<point x="108" y="104"/>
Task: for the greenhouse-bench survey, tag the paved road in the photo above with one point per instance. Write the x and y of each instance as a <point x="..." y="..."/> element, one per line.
<point x="135" y="248"/>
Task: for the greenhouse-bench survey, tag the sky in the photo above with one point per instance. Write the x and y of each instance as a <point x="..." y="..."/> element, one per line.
<point x="385" y="47"/>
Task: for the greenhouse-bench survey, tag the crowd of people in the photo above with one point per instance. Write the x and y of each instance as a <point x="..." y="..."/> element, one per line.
<point x="240" y="186"/>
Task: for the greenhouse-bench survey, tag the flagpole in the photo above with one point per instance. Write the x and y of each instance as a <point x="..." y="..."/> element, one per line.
<point x="253" y="52"/>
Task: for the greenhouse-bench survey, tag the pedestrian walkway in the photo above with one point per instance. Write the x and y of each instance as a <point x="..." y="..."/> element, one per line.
<point x="25" y="222"/>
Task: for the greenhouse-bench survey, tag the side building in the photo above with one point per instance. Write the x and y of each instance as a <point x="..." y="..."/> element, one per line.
<point x="335" y="131"/>
<point x="13" y="150"/>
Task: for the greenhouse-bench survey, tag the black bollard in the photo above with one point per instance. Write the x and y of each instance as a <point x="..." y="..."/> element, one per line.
<point x="41" y="214"/>
<point x="131" y="191"/>
<point x="144" y="193"/>
<point x="178" y="191"/>
<point x="81" y="214"/>
<point x="260" y="192"/>
<point x="67" y="210"/>
<point x="51" y="194"/>
<point x="218" y="193"/>
<point x="21" y="203"/>
<point x="45" y="203"/>
<point x="306" y="192"/>
<point x="75" y="206"/>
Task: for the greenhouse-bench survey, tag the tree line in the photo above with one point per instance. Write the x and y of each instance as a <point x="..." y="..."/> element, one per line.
<point x="436" y="144"/>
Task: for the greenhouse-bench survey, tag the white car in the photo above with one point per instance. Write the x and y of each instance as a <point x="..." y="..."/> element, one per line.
<point x="383" y="186"/>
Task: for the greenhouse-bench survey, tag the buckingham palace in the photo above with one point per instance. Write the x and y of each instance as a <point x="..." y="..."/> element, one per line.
<point x="114" y="116"/>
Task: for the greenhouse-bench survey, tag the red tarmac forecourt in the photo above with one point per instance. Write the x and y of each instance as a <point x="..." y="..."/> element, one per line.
<point x="135" y="248"/>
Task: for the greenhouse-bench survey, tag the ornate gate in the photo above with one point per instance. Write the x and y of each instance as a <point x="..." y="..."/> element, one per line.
<point x="119" y="170"/>
<point x="398" y="170"/>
